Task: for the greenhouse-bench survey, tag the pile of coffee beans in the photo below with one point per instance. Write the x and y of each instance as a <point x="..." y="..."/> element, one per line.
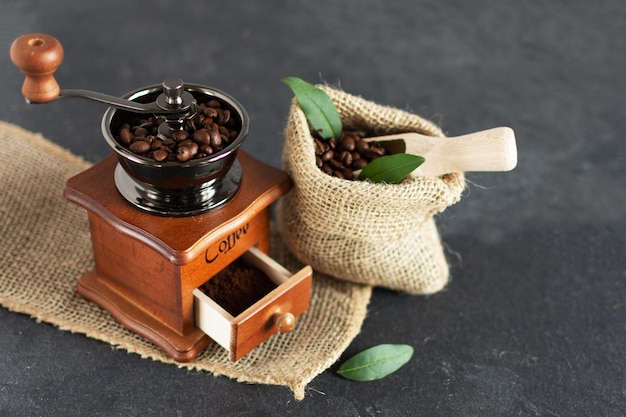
<point x="209" y="131"/>
<point x="340" y="157"/>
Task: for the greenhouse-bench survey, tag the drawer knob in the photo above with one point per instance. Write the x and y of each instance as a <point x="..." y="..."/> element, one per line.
<point x="285" y="322"/>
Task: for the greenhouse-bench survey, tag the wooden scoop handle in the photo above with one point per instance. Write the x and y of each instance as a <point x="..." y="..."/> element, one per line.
<point x="487" y="150"/>
<point x="38" y="56"/>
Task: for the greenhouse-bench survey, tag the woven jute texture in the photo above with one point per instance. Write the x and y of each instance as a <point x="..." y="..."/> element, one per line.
<point x="377" y="234"/>
<point x="46" y="247"/>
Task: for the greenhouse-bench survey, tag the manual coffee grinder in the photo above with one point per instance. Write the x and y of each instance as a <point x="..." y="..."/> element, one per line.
<point x="161" y="230"/>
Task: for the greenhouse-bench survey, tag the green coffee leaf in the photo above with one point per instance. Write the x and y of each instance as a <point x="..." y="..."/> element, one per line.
<point x="317" y="106"/>
<point x="391" y="169"/>
<point x="376" y="362"/>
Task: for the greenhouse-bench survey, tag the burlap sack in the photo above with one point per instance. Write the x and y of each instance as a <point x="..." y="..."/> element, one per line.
<point x="377" y="234"/>
<point x="46" y="247"/>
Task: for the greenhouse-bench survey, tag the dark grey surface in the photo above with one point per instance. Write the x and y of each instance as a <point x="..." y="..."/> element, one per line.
<point x="533" y="320"/>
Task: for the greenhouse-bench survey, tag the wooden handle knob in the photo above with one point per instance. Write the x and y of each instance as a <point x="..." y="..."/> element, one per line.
<point x="285" y="322"/>
<point x="38" y="55"/>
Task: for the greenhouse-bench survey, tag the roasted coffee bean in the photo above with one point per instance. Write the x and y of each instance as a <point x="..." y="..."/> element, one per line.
<point x="211" y="126"/>
<point x="224" y="117"/>
<point x="348" y="143"/>
<point x="187" y="142"/>
<point x="216" y="138"/>
<point x="339" y="174"/>
<point x="191" y="125"/>
<point x="156" y="144"/>
<point x="206" y="150"/>
<point x="320" y="147"/>
<point x="361" y="146"/>
<point x="147" y="125"/>
<point x="139" y="147"/>
<point x="210" y="112"/>
<point x="202" y="136"/>
<point x="318" y="161"/>
<point x="184" y="154"/>
<point x="193" y="146"/>
<point x="335" y="164"/>
<point x="373" y="153"/>
<point x="140" y="132"/>
<point x="160" y="155"/>
<point x="332" y="142"/>
<point x="328" y="155"/>
<point x="358" y="164"/>
<point x="223" y="131"/>
<point x="125" y="136"/>
<point x="347" y="174"/>
<point x="328" y="170"/>
<point x="180" y="135"/>
<point x="346" y="158"/>
<point x="169" y="143"/>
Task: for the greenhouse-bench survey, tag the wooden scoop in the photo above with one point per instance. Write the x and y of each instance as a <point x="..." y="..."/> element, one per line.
<point x="487" y="150"/>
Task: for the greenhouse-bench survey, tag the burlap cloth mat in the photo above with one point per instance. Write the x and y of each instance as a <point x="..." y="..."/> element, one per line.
<point x="46" y="247"/>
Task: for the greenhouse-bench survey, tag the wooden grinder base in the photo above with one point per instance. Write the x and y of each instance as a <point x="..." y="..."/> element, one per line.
<point x="147" y="266"/>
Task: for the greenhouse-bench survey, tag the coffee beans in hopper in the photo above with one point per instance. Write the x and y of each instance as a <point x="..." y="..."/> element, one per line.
<point x="211" y="130"/>
<point x="340" y="157"/>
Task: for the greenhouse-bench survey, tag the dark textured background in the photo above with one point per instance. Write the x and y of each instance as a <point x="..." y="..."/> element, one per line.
<point x="533" y="322"/>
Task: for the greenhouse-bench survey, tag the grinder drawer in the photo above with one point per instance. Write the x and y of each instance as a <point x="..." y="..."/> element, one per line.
<point x="241" y="325"/>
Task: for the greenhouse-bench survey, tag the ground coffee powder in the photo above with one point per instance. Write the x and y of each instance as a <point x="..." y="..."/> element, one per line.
<point x="238" y="286"/>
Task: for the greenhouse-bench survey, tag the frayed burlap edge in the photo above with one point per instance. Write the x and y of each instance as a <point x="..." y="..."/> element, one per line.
<point x="46" y="247"/>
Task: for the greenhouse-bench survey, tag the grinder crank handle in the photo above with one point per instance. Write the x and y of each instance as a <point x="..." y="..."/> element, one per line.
<point x="39" y="55"/>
